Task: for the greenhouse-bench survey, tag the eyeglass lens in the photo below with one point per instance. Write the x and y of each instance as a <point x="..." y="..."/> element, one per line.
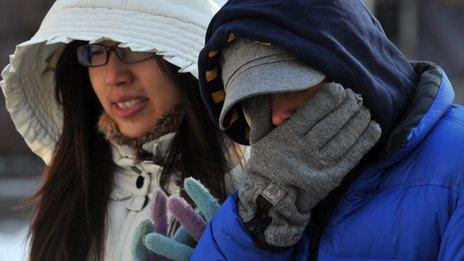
<point x="97" y="55"/>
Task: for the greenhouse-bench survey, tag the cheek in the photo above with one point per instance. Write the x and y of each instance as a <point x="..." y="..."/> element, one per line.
<point x="160" y="89"/>
<point x="292" y="101"/>
<point x="96" y="75"/>
<point x="283" y="103"/>
<point x="165" y="96"/>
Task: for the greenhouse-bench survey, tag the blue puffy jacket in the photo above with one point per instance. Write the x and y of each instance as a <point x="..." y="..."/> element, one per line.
<point x="409" y="206"/>
<point x="407" y="203"/>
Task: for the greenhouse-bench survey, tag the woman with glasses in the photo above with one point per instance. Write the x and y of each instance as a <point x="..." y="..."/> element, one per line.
<point x="106" y="94"/>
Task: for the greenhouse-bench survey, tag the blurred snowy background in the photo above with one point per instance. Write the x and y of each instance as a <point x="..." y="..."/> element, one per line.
<point x="423" y="29"/>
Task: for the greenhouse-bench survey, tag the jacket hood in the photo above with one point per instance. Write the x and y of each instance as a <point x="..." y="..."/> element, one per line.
<point x="341" y="38"/>
<point x="431" y="101"/>
<point x="173" y="29"/>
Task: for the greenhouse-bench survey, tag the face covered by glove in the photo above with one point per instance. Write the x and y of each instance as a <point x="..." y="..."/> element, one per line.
<point x="295" y="165"/>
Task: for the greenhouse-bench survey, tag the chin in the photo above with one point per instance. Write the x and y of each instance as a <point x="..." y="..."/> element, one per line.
<point x="132" y="132"/>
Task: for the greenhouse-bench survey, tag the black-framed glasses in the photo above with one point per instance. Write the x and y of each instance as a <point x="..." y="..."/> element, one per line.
<point x="94" y="55"/>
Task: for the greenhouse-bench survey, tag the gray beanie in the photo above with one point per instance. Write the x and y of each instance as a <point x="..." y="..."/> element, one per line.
<point x="250" y="69"/>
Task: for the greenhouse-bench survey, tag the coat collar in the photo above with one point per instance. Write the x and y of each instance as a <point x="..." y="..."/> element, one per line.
<point x="135" y="179"/>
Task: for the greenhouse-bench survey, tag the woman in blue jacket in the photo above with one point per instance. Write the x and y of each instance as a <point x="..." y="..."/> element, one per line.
<point x="404" y="200"/>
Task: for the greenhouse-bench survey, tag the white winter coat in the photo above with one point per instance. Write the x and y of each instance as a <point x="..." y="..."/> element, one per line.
<point x="174" y="29"/>
<point x="130" y="204"/>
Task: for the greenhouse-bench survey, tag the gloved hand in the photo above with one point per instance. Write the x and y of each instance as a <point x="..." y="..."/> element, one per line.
<point x="294" y="166"/>
<point x="150" y="240"/>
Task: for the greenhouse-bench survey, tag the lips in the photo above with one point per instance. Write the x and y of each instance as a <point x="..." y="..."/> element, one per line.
<point x="128" y="106"/>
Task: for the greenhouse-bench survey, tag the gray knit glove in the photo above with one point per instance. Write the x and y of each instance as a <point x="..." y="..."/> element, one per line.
<point x="294" y="166"/>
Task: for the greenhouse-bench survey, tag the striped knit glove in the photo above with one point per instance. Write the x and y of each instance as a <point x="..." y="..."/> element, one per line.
<point x="151" y="242"/>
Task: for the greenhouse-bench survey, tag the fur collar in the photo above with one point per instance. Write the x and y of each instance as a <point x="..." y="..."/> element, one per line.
<point x="170" y="122"/>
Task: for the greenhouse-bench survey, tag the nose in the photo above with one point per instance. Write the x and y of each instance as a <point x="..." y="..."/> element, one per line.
<point x="280" y="118"/>
<point x="280" y="114"/>
<point x="117" y="72"/>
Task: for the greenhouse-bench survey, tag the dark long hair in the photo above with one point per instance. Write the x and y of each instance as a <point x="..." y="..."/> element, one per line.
<point x="69" y="220"/>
